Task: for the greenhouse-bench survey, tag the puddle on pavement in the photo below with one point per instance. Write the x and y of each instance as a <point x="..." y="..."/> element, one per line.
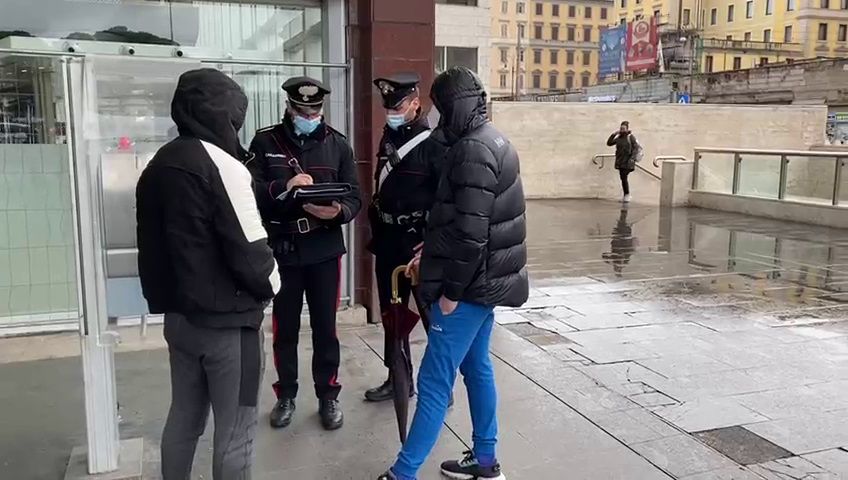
<point x="709" y="261"/>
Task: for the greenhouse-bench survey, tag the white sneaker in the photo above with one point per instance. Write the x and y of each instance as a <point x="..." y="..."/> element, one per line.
<point x="626" y="199"/>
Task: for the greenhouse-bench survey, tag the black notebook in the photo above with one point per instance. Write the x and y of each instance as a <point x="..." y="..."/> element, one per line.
<point x="320" y="194"/>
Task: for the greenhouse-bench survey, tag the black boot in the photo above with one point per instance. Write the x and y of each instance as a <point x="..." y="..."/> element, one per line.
<point x="381" y="393"/>
<point x="331" y="414"/>
<point x="282" y="413"/>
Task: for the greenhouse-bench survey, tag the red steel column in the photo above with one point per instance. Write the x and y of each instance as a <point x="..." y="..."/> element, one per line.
<point x="384" y="36"/>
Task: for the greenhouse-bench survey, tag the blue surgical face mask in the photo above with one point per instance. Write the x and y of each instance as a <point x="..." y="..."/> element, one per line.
<point x="395" y="121"/>
<point x="305" y="126"/>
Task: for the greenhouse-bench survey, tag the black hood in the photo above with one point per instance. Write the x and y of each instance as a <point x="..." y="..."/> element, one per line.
<point x="460" y="98"/>
<point x="210" y="106"/>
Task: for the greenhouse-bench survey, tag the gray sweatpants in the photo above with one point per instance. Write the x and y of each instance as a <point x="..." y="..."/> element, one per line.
<point x="218" y="367"/>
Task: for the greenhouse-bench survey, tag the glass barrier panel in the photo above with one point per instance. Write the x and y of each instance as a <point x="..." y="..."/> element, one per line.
<point x="715" y="173"/>
<point x="810" y="179"/>
<point x="843" y="183"/>
<point x="759" y="176"/>
<point x="38" y="270"/>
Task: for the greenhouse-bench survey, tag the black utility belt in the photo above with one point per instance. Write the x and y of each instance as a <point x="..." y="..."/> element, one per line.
<point x="404" y="219"/>
<point x="300" y="226"/>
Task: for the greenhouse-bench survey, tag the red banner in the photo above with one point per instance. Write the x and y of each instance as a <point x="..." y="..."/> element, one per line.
<point x="642" y="40"/>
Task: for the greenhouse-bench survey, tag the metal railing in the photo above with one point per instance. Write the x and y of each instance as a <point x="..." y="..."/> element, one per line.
<point x="813" y="181"/>
<point x="603" y="156"/>
<point x="662" y="158"/>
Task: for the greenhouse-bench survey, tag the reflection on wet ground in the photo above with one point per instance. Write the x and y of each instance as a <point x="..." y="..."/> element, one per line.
<point x="691" y="257"/>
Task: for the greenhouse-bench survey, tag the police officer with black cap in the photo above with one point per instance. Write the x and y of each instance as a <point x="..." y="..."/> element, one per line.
<point x="408" y="171"/>
<point x="307" y="241"/>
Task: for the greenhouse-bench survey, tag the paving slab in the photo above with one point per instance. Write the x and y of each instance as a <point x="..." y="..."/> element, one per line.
<point x="806" y="434"/>
<point x="792" y="468"/>
<point x="708" y="414"/>
<point x="682" y="455"/>
<point x="835" y="461"/>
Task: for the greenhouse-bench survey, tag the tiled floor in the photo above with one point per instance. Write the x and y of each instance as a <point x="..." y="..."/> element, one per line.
<point x="646" y="326"/>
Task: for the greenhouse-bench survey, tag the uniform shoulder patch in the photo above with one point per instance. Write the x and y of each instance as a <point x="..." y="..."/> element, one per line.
<point x="266" y="129"/>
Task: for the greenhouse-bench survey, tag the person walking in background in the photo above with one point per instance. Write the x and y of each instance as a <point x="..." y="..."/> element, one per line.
<point x="627" y="153"/>
<point x="308" y="241"/>
<point x="408" y="170"/>
<point x="204" y="262"/>
<point x="474" y="259"/>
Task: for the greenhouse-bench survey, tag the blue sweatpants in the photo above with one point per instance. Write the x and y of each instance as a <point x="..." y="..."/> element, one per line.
<point x="459" y="340"/>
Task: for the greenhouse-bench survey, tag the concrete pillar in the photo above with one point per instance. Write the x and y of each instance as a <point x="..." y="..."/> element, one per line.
<point x="383" y="36"/>
<point x="676" y="182"/>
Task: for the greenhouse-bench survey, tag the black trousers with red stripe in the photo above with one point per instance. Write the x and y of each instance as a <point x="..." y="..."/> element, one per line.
<point x="320" y="283"/>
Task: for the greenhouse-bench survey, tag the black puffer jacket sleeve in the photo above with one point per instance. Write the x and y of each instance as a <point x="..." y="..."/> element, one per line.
<point x="473" y="181"/>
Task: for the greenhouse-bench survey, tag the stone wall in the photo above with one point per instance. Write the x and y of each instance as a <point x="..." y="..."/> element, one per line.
<point x="470" y="27"/>
<point x="556" y="141"/>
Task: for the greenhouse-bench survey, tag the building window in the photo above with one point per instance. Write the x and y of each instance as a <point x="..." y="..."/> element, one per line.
<point x="844" y="4"/>
<point x="843" y="33"/>
<point x="447" y="57"/>
<point x="519" y="7"/>
<point x="554" y="32"/>
<point x="825" y="3"/>
<point x="764" y="61"/>
<point x="708" y="64"/>
<point x="737" y="63"/>
<point x="604" y="12"/>
<point x="770" y="7"/>
<point x="540" y="8"/>
<point x="502" y="80"/>
<point x="790" y="5"/>
<point x="584" y="80"/>
<point x="521" y="55"/>
<point x="504" y="30"/>
<point x="552" y="81"/>
<point x="822" y="32"/>
<point x="569" y="82"/>
<point x="537" y="56"/>
<point x="622" y="22"/>
<point x="731" y="10"/>
<point x="569" y="57"/>
<point x="537" y="80"/>
<point x="587" y="12"/>
<point x="749" y="9"/>
<point x="787" y="34"/>
<point x="587" y="58"/>
<point x="504" y="55"/>
<point x="504" y="7"/>
<point x="520" y="30"/>
<point x="687" y="16"/>
<point x="657" y="16"/>
<point x="713" y="16"/>
<point x="729" y="37"/>
<point x="747" y="36"/>
<point x="571" y="34"/>
<point x="572" y="11"/>
<point x="767" y="35"/>
<point x="554" y="57"/>
<point x="587" y="34"/>
<point x="555" y="9"/>
<point x="537" y="31"/>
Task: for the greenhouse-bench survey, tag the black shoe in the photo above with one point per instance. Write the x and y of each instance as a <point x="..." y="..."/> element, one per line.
<point x="331" y="414"/>
<point x="387" y="476"/>
<point x="282" y="413"/>
<point x="469" y="469"/>
<point x="380" y="394"/>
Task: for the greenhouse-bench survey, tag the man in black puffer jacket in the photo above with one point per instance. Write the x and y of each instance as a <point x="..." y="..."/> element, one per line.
<point x="473" y="260"/>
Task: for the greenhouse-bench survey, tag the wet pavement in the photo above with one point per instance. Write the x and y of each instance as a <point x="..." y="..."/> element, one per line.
<point x="657" y="344"/>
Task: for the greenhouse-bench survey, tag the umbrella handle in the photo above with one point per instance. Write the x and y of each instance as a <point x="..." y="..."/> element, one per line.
<point x="401" y="270"/>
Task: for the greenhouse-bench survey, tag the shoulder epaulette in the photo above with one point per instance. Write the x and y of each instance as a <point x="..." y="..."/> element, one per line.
<point x="336" y="132"/>
<point x="266" y="129"/>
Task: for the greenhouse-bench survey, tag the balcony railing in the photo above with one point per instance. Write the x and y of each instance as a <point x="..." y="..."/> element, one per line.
<point x="724" y="44"/>
<point x="813" y="177"/>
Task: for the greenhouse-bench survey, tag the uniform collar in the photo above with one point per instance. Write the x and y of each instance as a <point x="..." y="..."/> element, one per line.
<point x="408" y="131"/>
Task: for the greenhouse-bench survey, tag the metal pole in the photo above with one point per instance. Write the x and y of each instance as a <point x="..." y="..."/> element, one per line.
<point x="784" y="167"/>
<point x="695" y="170"/>
<point x="96" y="342"/>
<point x="737" y="166"/>
<point x="837" y="179"/>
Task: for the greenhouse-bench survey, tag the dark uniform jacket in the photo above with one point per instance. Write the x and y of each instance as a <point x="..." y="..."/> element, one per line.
<point x="202" y="251"/>
<point x="409" y="189"/>
<point x="474" y="248"/>
<point x="327" y="156"/>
